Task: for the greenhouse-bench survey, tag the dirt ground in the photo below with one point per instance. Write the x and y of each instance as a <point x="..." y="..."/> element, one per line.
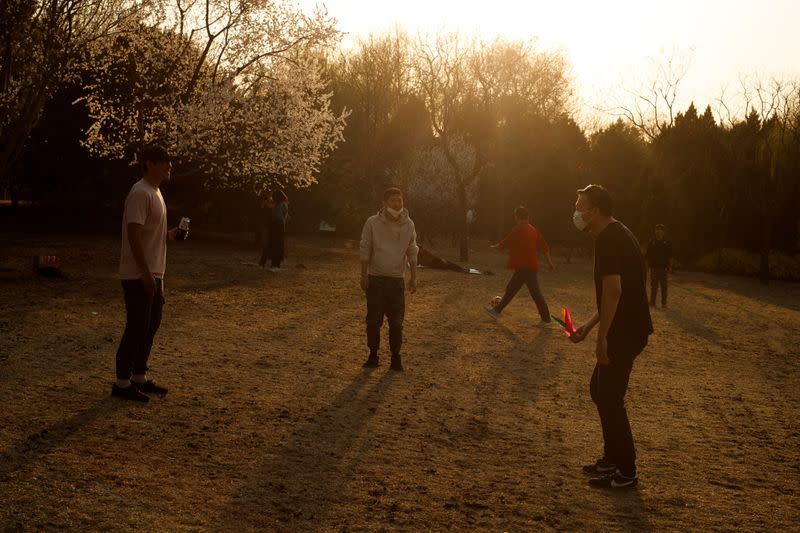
<point x="272" y="424"/>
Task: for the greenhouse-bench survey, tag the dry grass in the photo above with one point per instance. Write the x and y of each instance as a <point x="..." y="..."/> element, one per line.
<point x="272" y="424"/>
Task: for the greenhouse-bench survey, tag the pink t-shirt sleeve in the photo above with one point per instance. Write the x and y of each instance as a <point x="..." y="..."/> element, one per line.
<point x="137" y="207"/>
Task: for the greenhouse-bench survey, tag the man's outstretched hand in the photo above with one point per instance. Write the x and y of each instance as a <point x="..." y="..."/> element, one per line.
<point x="580" y="334"/>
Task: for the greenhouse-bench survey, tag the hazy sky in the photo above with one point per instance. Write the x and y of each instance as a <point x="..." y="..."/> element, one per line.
<point x="609" y="42"/>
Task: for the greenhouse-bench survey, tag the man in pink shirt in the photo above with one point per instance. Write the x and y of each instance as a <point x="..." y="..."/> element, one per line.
<point x="143" y="260"/>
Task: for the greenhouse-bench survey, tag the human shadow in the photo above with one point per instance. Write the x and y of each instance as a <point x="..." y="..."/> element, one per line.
<point x="528" y="366"/>
<point x="300" y="481"/>
<point x="691" y="325"/>
<point x="40" y="443"/>
<point x="630" y="509"/>
<point x="778" y="293"/>
<point x="508" y="332"/>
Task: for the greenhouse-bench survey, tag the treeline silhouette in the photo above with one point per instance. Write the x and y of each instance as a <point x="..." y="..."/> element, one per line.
<point x="463" y="124"/>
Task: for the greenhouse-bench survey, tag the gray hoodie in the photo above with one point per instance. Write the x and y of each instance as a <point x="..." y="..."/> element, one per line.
<point x="387" y="244"/>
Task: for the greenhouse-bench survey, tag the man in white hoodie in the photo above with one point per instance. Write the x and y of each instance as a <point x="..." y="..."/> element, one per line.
<point x="388" y="241"/>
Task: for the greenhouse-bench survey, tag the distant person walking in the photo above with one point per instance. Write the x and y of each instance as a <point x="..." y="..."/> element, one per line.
<point x="267" y="204"/>
<point x="277" y="229"/>
<point x="659" y="261"/>
<point x="523" y="244"/>
<point x="388" y="242"/>
<point x="624" y="327"/>
<point x="143" y="260"/>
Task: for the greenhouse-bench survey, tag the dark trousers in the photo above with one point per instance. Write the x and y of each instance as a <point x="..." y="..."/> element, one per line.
<point x="607" y="387"/>
<point x="385" y="296"/>
<point x="276" y="242"/>
<point x="658" y="276"/>
<point x="525" y="276"/>
<point x="143" y="317"/>
<point x="265" y="244"/>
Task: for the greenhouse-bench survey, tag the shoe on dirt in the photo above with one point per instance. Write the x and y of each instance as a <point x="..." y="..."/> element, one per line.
<point x="150" y="387"/>
<point x="614" y="481"/>
<point x="396" y="363"/>
<point x="491" y="312"/>
<point x="129" y="393"/>
<point x="600" y="467"/>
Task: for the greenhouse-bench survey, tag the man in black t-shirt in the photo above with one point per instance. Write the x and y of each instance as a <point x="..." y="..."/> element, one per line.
<point x="624" y="326"/>
<point x="659" y="260"/>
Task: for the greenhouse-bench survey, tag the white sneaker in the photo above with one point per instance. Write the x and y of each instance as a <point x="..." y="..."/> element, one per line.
<point x="543" y="325"/>
<point x="274" y="269"/>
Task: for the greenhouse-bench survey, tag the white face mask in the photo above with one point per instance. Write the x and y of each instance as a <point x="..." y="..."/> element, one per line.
<point x="577" y="219"/>
<point x="394" y="212"/>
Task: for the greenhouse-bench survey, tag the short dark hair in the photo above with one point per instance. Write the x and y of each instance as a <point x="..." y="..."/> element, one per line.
<point x="392" y="191"/>
<point x="661" y="227"/>
<point x="155" y="153"/>
<point x="599" y="197"/>
<point x="521" y="213"/>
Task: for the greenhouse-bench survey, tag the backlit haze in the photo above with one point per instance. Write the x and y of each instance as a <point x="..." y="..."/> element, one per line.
<point x="612" y="44"/>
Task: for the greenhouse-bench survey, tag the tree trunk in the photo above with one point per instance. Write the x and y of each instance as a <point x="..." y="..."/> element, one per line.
<point x="766" y="241"/>
<point x="464" y="225"/>
<point x="500" y="226"/>
<point x="723" y="237"/>
<point x="464" y="246"/>
<point x="797" y="235"/>
<point x="19" y="131"/>
<point x="14" y="196"/>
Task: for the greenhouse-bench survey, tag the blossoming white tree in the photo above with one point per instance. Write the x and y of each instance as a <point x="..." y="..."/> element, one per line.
<point x="232" y="87"/>
<point x="40" y="44"/>
<point x="432" y="189"/>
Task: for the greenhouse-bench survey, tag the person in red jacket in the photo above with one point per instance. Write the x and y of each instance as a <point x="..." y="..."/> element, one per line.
<point x="523" y="244"/>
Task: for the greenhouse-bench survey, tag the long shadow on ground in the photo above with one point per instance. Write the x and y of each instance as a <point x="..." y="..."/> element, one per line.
<point x="778" y="293"/>
<point x="300" y="481"/>
<point x="39" y="444"/>
<point x="629" y="509"/>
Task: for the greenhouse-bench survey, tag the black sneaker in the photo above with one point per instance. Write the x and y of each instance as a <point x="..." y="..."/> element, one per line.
<point x="129" y="393"/>
<point x="150" y="387"/>
<point x="600" y="467"/>
<point x="371" y="362"/>
<point x="396" y="363"/>
<point x="615" y="481"/>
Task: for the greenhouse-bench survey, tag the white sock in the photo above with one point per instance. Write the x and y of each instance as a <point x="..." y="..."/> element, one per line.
<point x="139" y="378"/>
<point x="123" y="383"/>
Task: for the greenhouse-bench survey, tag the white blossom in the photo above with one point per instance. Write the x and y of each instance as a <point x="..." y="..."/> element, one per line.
<point x="236" y="95"/>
